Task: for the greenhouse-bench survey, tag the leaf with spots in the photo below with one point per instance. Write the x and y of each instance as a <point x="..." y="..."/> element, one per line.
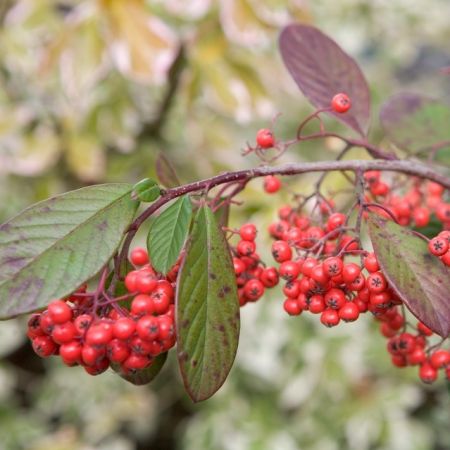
<point x="207" y="309"/>
<point x="168" y="234"/>
<point x="322" y="69"/>
<point x="420" y="279"/>
<point x="417" y="124"/>
<point x="51" y="248"/>
<point x="144" y="376"/>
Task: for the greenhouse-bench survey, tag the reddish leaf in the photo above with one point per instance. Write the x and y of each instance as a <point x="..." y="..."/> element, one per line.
<point x="420" y="279"/>
<point x="416" y="123"/>
<point x="165" y="172"/>
<point x="322" y="69"/>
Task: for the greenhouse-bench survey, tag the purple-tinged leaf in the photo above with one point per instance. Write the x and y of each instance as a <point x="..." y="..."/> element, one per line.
<point x="51" y="248"/>
<point x="166" y="173"/>
<point x="420" y="279"/>
<point x="416" y="123"/>
<point x="322" y="69"/>
<point x="207" y="309"/>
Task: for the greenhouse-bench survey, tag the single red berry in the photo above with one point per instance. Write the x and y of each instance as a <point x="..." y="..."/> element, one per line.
<point x="335" y="298"/>
<point x="319" y="275"/>
<point x="246" y="248"/>
<point x="281" y="251"/>
<point x="140" y="346"/>
<point x="341" y="103"/>
<point x="46" y="322"/>
<point x="289" y="270"/>
<point x="440" y="358"/>
<point x="292" y="289"/>
<point x="372" y="176"/>
<point x="421" y="216"/>
<point x="239" y="266"/>
<point x="292" y="307"/>
<point x="91" y="355"/>
<point x="350" y="272"/>
<point x="34" y="326"/>
<point x="316" y="304"/>
<point x="248" y="232"/>
<point x="371" y="263"/>
<point x="139" y="256"/>
<point x="438" y="246"/>
<point x="336" y="220"/>
<point x="147" y="328"/>
<point x="399" y="360"/>
<point x="142" y="304"/>
<point x="64" y="332"/>
<point x="253" y="290"/>
<point x="161" y="302"/>
<point x="349" y="312"/>
<point x="376" y="282"/>
<point x="330" y="318"/>
<point x="163" y="286"/>
<point x="427" y="373"/>
<point x="406" y="343"/>
<point x="264" y="138"/>
<point x="117" y="350"/>
<point x="82" y="323"/>
<point x="416" y="357"/>
<point x="145" y="283"/>
<point x="59" y="311"/>
<point x="386" y="330"/>
<point x="445" y="258"/>
<point x="308" y="265"/>
<point x="135" y="362"/>
<point x="99" y="367"/>
<point x="130" y="280"/>
<point x="379" y="189"/>
<point x="269" y="277"/>
<point x="44" y="346"/>
<point x="333" y="266"/>
<point x="357" y="284"/>
<point x="123" y="328"/>
<point x="70" y="352"/>
<point x="272" y="184"/>
<point x="99" y="334"/>
<point x="166" y="327"/>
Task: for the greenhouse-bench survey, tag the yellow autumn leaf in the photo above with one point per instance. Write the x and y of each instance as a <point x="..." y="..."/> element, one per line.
<point x="142" y="46"/>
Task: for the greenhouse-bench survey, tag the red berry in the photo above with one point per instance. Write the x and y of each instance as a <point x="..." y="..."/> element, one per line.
<point x="371" y="263"/>
<point x="350" y="272"/>
<point x="281" y="251"/>
<point x="376" y="282"/>
<point x="246" y="248"/>
<point x="421" y="217"/>
<point x="59" y="311"/>
<point x="440" y="358"/>
<point x="166" y="327"/>
<point x="142" y="304"/>
<point x="130" y="280"/>
<point x="269" y="277"/>
<point x="139" y="256"/>
<point x="406" y="343"/>
<point x="136" y="362"/>
<point x="416" y="357"/>
<point x="319" y="275"/>
<point x="161" y="301"/>
<point x="99" y="367"/>
<point x="145" y="283"/>
<point x="272" y="184"/>
<point x="248" y="232"/>
<point x="91" y="355"/>
<point x="438" y="246"/>
<point x="117" y="350"/>
<point x="253" y="289"/>
<point x="427" y="373"/>
<point x="316" y="304"/>
<point x="292" y="307"/>
<point x="239" y="266"/>
<point x="123" y="328"/>
<point x="64" y="332"/>
<point x="341" y="103"/>
<point x="335" y="298"/>
<point x="82" y="323"/>
<point x="445" y="258"/>
<point x="147" y="328"/>
<point x="292" y="289"/>
<point x="264" y="138"/>
<point x="349" y="312"/>
<point x="423" y="329"/>
<point x="399" y="360"/>
<point x="336" y="220"/>
<point x="99" y="334"/>
<point x="330" y="318"/>
<point x="333" y="266"/>
<point x="44" y="346"/>
<point x="289" y="270"/>
<point x="70" y="352"/>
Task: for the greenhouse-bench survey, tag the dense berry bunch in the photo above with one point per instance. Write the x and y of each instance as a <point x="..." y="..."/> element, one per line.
<point x="94" y="331"/>
<point x="252" y="276"/>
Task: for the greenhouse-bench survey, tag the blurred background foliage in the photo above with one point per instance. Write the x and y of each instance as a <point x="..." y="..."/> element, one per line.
<point x="90" y="92"/>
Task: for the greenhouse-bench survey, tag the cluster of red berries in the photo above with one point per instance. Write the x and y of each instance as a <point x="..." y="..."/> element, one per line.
<point x="252" y="276"/>
<point x="409" y="349"/>
<point x="95" y="334"/>
<point x="414" y="207"/>
<point x="326" y="284"/>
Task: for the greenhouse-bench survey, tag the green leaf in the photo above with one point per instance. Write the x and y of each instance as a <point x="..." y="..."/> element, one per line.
<point x="222" y="214"/>
<point x="207" y="309"/>
<point x="416" y="123"/>
<point x="144" y="376"/>
<point x="147" y="190"/>
<point x="168" y="233"/>
<point x="420" y="279"/>
<point x="51" y="248"/>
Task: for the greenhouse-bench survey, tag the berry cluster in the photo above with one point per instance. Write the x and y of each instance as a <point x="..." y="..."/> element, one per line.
<point x="408" y="349"/>
<point x="252" y="276"/>
<point x="93" y="333"/>
<point x="326" y="284"/>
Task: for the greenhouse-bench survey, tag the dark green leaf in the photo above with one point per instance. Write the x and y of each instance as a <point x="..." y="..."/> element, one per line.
<point x="207" y="309"/>
<point x="416" y="123"/>
<point x="168" y="233"/>
<point x="144" y="376"/>
<point x="51" y="248"/>
<point x="166" y="173"/>
<point x="420" y="279"/>
<point x="147" y="190"/>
